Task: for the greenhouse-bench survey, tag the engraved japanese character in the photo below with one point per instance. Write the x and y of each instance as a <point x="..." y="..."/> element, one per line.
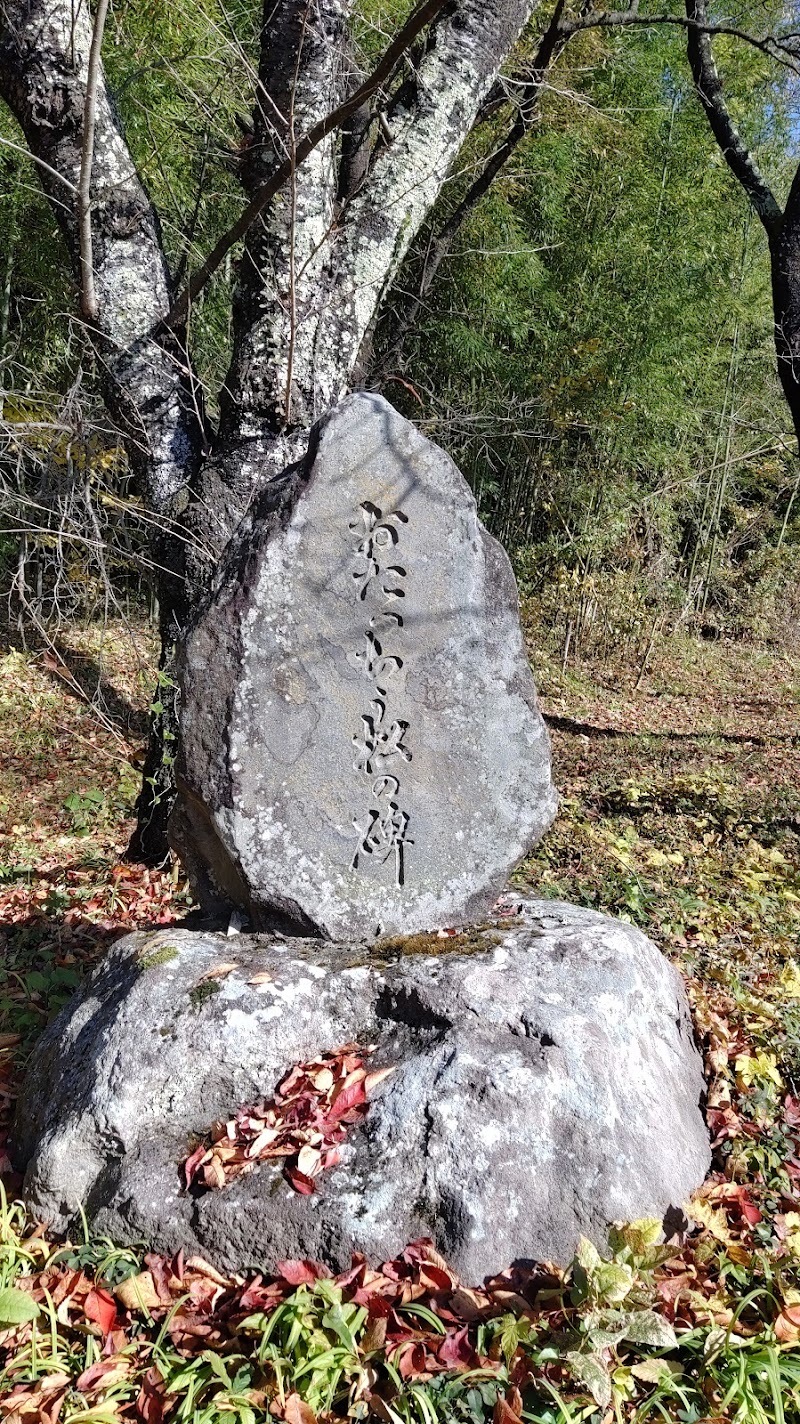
<point x="376" y="741"/>
<point x="376" y="664"/>
<point x="386" y="615"/>
<point x="379" y="535"/>
<point x="386" y="835"/>
<point x="385" y="784"/>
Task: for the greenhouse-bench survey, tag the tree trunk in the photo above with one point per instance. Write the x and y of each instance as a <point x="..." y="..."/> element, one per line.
<point x="785" y="255"/>
<point x="315" y="269"/>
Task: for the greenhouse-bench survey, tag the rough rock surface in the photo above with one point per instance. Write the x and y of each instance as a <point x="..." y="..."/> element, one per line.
<point x="547" y="1083"/>
<point x="362" y="751"/>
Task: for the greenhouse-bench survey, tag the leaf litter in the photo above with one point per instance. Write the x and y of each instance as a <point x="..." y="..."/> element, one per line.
<point x="304" y="1124"/>
<point x="93" y="1331"/>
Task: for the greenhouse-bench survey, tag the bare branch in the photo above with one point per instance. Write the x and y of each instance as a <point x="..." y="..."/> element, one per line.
<point x="45" y="167"/>
<point x="785" y="48"/>
<point x="420" y="17"/>
<point x="88" y="292"/>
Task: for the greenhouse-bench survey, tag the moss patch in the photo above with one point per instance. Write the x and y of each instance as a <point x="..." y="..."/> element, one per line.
<point x="470" y="941"/>
<point x="201" y="993"/>
<point x="157" y="957"/>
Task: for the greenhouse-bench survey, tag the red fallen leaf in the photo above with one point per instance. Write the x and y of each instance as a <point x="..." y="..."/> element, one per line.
<point x="296" y="1411"/>
<point x="356" y="1272"/>
<point x="351" y="1095"/>
<point x="434" y="1279"/>
<point x="751" y="1213"/>
<point x="151" y="1398"/>
<point x="301" y="1273"/>
<point x="377" y="1304"/>
<point x="302" y="1184"/>
<point x="260" y="1297"/>
<point x="109" y="1372"/>
<point x="192" y="1163"/>
<point x="411" y="1360"/>
<point x="101" y="1308"/>
<point x="456" y="1352"/>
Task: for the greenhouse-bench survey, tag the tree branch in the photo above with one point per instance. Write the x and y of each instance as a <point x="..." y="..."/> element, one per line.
<point x="420" y="17"/>
<point x="48" y="50"/>
<point x="734" y="150"/>
<point x="88" y="293"/>
<point x="551" y="45"/>
<point x="428" y="128"/>
<point x="781" y="47"/>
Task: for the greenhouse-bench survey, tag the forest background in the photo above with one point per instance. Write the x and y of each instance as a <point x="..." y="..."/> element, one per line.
<point x="595" y="351"/>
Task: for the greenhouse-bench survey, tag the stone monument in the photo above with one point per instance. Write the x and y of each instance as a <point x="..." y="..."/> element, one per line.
<point x="363" y="762"/>
<point x="362" y="751"/>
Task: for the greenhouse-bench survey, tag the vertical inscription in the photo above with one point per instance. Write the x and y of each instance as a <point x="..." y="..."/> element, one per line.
<point x="381" y="742"/>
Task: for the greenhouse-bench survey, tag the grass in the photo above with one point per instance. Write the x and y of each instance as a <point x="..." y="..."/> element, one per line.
<point x="680" y="812"/>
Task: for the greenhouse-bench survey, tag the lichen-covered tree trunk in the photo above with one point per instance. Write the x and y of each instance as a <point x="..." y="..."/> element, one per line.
<point x="315" y="269"/>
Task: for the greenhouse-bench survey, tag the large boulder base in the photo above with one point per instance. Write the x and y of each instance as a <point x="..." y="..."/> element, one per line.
<point x="362" y="751"/>
<point x="547" y="1084"/>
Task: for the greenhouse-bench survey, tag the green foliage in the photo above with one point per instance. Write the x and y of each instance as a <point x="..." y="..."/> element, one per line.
<point x="598" y="355"/>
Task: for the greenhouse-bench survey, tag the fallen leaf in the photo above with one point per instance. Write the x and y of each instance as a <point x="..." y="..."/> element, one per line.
<point x="219" y="971"/>
<point x="101" y="1308"/>
<point x="503" y="1413"/>
<point x="456" y="1351"/>
<point x="192" y="1163"/>
<point x="309" y="1161"/>
<point x="205" y="1268"/>
<point x="378" y="1076"/>
<point x="138" y="1292"/>
<point x="105" y="1372"/>
<point x="300" y="1273"/>
<point x="152" y="1398"/>
<point x="301" y="1183"/>
<point x="296" y="1411"/>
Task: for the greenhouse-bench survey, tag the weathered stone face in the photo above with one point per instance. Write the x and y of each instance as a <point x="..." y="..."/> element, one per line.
<point x="362" y="749"/>
<point x="546" y="1084"/>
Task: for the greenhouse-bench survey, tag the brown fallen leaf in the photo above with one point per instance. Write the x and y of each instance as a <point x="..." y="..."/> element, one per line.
<point x="213" y="1171"/>
<point x="138" y="1292"/>
<point x="787" y="1325"/>
<point x="378" y="1076"/>
<point x="219" y="971"/>
<point x="204" y="1268"/>
<point x="296" y="1411"/>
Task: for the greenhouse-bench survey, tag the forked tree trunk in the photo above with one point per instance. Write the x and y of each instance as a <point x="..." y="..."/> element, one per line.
<point x="315" y="269"/>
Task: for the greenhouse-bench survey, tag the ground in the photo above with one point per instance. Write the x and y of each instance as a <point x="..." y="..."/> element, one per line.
<point x="680" y="811"/>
